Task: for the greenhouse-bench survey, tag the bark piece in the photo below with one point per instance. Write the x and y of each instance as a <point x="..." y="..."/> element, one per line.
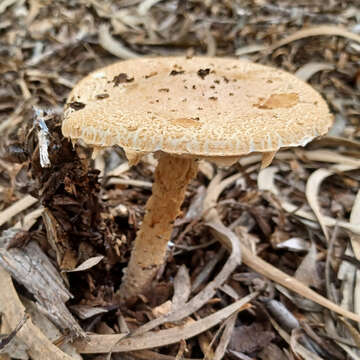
<point x="33" y="269"/>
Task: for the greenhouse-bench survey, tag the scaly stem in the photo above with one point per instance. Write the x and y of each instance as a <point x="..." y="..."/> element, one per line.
<point x="172" y="175"/>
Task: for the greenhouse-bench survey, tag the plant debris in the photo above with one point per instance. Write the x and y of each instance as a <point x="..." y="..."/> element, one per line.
<point x="257" y="258"/>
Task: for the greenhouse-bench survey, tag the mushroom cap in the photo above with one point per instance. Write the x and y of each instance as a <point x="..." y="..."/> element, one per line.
<point x="200" y="106"/>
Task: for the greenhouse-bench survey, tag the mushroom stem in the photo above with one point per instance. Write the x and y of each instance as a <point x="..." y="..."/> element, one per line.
<point x="172" y="175"/>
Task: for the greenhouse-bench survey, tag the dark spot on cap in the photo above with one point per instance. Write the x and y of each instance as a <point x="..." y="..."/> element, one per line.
<point x="203" y="73"/>
<point x="164" y="90"/>
<point x="121" y="78"/>
<point x="212" y="87"/>
<point x="194" y="87"/>
<point x="217" y="81"/>
<point x="225" y="79"/>
<point x="77" y="105"/>
<point x="175" y="72"/>
<point x="102" y="96"/>
<point x="151" y="75"/>
<point x="213" y="98"/>
<point x="231" y="94"/>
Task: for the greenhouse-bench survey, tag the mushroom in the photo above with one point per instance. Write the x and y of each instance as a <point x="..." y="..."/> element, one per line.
<point x="185" y="109"/>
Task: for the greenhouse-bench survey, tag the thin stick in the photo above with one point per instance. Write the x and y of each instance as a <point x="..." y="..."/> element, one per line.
<point x="16" y="208"/>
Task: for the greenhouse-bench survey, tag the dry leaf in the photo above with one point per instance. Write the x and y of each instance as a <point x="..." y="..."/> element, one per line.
<point x="87" y="264"/>
<point x="117" y="343"/>
<point x="308" y="70"/>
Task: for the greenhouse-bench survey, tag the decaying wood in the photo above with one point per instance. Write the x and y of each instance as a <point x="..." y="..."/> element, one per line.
<point x="33" y="269"/>
<point x="38" y="346"/>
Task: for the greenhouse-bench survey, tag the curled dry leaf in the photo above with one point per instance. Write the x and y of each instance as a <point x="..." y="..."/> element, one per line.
<point x="308" y="70"/>
<point x="114" y="46"/>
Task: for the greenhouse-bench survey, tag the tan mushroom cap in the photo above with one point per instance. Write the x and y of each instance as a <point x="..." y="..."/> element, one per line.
<point x="199" y="106"/>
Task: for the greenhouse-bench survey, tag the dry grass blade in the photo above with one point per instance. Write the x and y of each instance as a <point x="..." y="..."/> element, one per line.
<point x="131" y="182"/>
<point x="209" y="290"/>
<point x="299" y="349"/>
<point x="289" y="282"/>
<point x="329" y="156"/>
<point x="355" y="244"/>
<point x="274" y="274"/>
<point x="336" y="141"/>
<point x="113" y="46"/>
<point x="205" y="273"/>
<point x="145" y="6"/>
<point x="266" y="179"/>
<point x="117" y="343"/>
<point x="148" y="354"/>
<point x="29" y="220"/>
<point x="39" y="347"/>
<point x="122" y="168"/>
<point x="354" y="333"/>
<point x="312" y="189"/>
<point x="354" y="219"/>
<point x="225" y="337"/>
<point x="308" y="70"/>
<point x="16" y="208"/>
<point x="322" y="30"/>
<point x="266" y="182"/>
<point x="215" y="188"/>
<point x="182" y="287"/>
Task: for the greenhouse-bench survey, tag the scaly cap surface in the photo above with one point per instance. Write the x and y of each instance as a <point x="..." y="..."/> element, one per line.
<point x="199" y="106"/>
